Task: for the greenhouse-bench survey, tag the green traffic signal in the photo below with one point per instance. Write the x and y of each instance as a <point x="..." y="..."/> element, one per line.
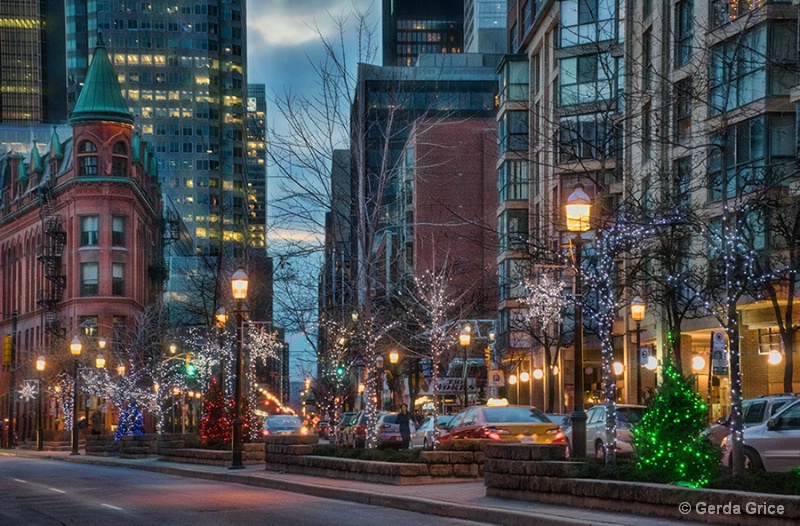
<point x="340" y="371"/>
<point x="191" y="370"/>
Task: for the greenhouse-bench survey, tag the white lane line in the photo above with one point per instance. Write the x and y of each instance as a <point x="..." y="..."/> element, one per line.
<point x="20" y="480"/>
<point x="57" y="490"/>
<point x="112" y="507"/>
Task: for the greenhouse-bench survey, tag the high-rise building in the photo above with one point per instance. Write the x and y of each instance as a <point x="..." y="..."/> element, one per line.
<point x="181" y="66"/>
<point x="485" y="27"/>
<point x="32" y="62"/>
<point x="257" y="164"/>
<point x="411" y="27"/>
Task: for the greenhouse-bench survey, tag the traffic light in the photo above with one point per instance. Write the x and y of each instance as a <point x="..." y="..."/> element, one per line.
<point x="488" y="355"/>
<point x="340" y="371"/>
<point x="191" y="369"/>
<point x="7" y="349"/>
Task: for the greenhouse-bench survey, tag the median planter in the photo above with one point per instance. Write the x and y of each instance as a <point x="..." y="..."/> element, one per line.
<point x="102" y="446"/>
<point x="291" y="454"/>
<point x="252" y="453"/>
<point x="536" y="473"/>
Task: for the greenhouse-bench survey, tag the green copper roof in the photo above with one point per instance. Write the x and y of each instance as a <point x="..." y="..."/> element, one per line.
<point x="100" y="98"/>
<point x="22" y="174"/>
<point x="55" y="146"/>
<point x="36" y="159"/>
<point x="135" y="148"/>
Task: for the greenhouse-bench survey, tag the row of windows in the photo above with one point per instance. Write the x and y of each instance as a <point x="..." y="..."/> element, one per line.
<point x="422" y="25"/>
<point x="90" y="230"/>
<point x="90" y="279"/>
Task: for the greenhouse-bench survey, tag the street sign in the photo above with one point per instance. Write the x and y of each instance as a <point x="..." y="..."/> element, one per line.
<point x="644" y="355"/>
<point x="719" y="354"/>
<point x="496" y="378"/>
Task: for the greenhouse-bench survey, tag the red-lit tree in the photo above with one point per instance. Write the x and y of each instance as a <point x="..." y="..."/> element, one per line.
<point x="215" y="427"/>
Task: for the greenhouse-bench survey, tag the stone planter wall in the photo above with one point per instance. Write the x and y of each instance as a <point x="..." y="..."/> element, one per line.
<point x="102" y="445"/>
<point x="252" y="453"/>
<point x="138" y="446"/>
<point x="539" y="474"/>
<point x="293" y="455"/>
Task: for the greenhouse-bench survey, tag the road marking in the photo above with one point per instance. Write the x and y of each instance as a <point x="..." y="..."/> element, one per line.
<point x="57" y="490"/>
<point x="112" y="507"/>
<point x="20" y="480"/>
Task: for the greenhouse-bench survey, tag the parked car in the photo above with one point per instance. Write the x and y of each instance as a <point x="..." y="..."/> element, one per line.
<point x="499" y="421"/>
<point x="388" y="431"/>
<point x="321" y="428"/>
<point x="755" y="411"/>
<point x="561" y="419"/>
<point x="283" y="425"/>
<point x="627" y="415"/>
<point x="423" y="436"/>
<point x="341" y="424"/>
<point x="355" y="433"/>
<point x="773" y="445"/>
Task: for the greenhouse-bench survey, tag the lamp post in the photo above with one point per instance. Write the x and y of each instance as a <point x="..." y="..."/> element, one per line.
<point x="39" y="424"/>
<point x="75" y="350"/>
<point x="239" y="292"/>
<point x="578" y="211"/>
<point x="638" y="308"/>
<point x="394" y="357"/>
<point x="464" y="338"/>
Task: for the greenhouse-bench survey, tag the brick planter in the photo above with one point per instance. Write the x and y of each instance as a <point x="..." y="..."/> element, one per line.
<point x="138" y="446"/>
<point x="539" y="474"/>
<point x="102" y="446"/>
<point x="252" y="453"/>
<point x="294" y="455"/>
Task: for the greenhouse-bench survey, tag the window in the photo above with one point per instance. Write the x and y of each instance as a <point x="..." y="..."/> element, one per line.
<point x="680" y="191"/>
<point x="89" y="279"/>
<point x="587" y="21"/>
<point x="513" y="131"/>
<point x="118" y="231"/>
<point x="647" y="132"/>
<point x="514" y="79"/>
<point x="512" y="180"/>
<point x="90" y="231"/>
<point x="587" y="79"/>
<point x="586" y="137"/>
<point x="684" y="20"/>
<point x="683" y="111"/>
<point x="513" y="229"/>
<point x="118" y="279"/>
<point x="647" y="60"/>
<point x="87" y="159"/>
<point x="724" y="11"/>
<point x="119" y="161"/>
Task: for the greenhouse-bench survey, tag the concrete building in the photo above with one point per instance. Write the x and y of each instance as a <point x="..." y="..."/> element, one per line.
<point x="485" y="27"/>
<point x="80" y="229"/>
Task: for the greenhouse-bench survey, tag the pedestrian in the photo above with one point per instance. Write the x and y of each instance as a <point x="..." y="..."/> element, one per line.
<point x="97" y="422"/>
<point x="403" y="422"/>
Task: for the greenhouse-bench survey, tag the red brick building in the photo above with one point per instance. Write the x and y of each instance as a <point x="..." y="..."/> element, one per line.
<point x="80" y="233"/>
<point x="449" y="195"/>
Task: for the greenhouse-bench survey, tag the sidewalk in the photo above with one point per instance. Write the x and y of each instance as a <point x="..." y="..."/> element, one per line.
<point x="465" y="501"/>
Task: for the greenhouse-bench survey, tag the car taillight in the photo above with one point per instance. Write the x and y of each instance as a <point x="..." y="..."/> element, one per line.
<point x="265" y="432"/>
<point x="494" y="433"/>
<point x="559" y="438"/>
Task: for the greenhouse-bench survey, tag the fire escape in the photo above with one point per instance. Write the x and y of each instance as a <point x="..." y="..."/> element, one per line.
<point x="49" y="254"/>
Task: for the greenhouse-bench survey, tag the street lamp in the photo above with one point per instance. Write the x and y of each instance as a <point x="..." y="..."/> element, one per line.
<point x="465" y="338"/>
<point x="578" y="212"/>
<point x="239" y="292"/>
<point x="638" y="308"/>
<point x="75" y="350"/>
<point x="39" y="424"/>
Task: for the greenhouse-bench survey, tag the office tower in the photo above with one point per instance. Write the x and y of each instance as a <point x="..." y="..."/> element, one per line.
<point x="411" y="27"/>
<point x="257" y="163"/>
<point x="181" y="67"/>
<point x="485" y="27"/>
<point x="32" y="62"/>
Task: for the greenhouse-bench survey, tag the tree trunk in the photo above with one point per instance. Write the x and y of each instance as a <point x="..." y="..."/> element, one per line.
<point x="737" y="444"/>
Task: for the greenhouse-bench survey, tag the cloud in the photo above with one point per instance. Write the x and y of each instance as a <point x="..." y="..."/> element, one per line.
<point x="288" y="23"/>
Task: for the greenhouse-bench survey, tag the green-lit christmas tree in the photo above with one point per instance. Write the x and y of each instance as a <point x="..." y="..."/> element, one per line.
<point x="215" y="427"/>
<point x="669" y="443"/>
<point x="131" y="422"/>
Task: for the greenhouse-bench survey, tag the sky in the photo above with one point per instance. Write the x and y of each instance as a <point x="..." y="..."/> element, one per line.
<point x="282" y="43"/>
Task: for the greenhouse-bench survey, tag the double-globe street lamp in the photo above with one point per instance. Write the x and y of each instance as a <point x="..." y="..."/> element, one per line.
<point x="239" y="292"/>
<point x="75" y="348"/>
<point x="578" y="212"/>
<point x="465" y="338"/>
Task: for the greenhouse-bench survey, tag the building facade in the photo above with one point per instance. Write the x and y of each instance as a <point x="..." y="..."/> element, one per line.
<point x="80" y="224"/>
<point x="485" y="27"/>
<point x="678" y="113"/>
<point x="411" y="28"/>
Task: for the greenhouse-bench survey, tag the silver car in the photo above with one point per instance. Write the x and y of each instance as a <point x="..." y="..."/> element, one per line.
<point x="627" y="415"/>
<point x="773" y="445"/>
<point x="423" y="436"/>
<point x="754" y="411"/>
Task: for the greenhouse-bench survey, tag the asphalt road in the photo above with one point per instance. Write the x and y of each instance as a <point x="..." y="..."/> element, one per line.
<point x="36" y="492"/>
